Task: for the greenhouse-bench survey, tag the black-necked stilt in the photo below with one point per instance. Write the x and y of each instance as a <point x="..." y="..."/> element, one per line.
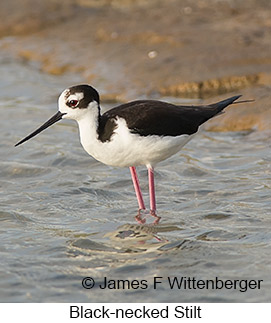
<point x="136" y="133"/>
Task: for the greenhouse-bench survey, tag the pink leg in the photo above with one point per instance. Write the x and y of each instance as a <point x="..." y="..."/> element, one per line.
<point x="140" y="201"/>
<point x="152" y="194"/>
<point x="152" y="190"/>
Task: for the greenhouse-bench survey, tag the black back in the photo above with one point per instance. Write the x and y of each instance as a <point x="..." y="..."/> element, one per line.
<point x="149" y="117"/>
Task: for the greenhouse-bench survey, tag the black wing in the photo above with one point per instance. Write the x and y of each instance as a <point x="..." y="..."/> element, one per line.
<point x="149" y="117"/>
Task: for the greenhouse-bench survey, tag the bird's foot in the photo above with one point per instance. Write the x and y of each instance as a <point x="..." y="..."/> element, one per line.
<point x="139" y="218"/>
<point x="157" y="218"/>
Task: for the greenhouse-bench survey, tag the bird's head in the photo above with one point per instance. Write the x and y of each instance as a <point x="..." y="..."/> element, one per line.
<point x="73" y="103"/>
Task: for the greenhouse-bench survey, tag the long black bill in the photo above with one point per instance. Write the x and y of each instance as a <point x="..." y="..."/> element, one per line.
<point x="58" y="116"/>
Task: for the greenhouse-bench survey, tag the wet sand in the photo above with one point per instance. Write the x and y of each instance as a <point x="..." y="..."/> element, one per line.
<point x="199" y="50"/>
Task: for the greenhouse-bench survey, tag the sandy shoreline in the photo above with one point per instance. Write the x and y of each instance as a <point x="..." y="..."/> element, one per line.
<point x="204" y="49"/>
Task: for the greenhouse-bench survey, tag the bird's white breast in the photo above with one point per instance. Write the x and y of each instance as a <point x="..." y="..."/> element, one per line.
<point x="127" y="149"/>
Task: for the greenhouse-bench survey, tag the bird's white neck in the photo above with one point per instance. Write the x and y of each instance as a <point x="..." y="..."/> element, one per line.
<point x="88" y="128"/>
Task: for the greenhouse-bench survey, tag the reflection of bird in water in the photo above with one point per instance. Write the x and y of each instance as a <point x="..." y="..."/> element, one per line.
<point x="136" y="133"/>
<point x="134" y="232"/>
<point x="131" y="238"/>
<point x="143" y="237"/>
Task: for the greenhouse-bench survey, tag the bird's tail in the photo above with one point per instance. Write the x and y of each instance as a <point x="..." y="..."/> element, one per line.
<point x="220" y="106"/>
<point x="209" y="111"/>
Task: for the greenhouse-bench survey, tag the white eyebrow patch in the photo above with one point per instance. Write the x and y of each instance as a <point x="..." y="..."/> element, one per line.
<point x="76" y="96"/>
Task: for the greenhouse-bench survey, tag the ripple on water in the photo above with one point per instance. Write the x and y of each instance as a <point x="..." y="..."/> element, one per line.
<point x="219" y="235"/>
<point x="19" y="170"/>
<point x="64" y="216"/>
<point x="217" y="216"/>
<point x="13" y="216"/>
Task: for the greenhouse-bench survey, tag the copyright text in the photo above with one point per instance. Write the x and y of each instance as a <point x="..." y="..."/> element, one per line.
<point x="181" y="283"/>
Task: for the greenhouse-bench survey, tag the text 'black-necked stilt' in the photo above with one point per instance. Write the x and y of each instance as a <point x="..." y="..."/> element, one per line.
<point x="141" y="132"/>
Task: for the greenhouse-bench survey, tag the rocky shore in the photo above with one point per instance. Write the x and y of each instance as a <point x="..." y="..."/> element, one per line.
<point x="204" y="50"/>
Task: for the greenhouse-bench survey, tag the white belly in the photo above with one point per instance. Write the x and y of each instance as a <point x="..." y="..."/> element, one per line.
<point x="126" y="149"/>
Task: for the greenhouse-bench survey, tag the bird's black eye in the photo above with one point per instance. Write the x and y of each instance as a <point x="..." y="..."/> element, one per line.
<point x="72" y="103"/>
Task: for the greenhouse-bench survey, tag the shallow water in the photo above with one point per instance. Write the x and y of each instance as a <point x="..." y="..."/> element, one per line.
<point x="65" y="216"/>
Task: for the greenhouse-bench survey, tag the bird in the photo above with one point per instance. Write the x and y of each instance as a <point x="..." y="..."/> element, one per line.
<point x="141" y="132"/>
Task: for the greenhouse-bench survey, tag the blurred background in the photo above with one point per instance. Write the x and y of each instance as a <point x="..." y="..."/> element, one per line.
<point x="133" y="48"/>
